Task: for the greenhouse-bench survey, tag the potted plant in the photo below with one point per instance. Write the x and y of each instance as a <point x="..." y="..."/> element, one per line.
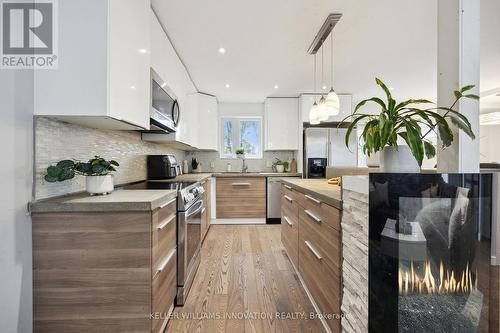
<point x="195" y="165"/>
<point x="97" y="172"/>
<point x="240" y="153"/>
<point x="405" y="121"/>
<point x="280" y="166"/>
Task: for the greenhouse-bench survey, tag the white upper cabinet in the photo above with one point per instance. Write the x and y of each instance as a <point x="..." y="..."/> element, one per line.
<point x="281" y="122"/>
<point x="103" y="79"/>
<point x="166" y="63"/>
<point x="307" y="101"/>
<point x="206" y="107"/>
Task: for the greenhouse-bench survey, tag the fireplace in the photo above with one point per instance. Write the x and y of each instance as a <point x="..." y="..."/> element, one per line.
<point x="429" y="252"/>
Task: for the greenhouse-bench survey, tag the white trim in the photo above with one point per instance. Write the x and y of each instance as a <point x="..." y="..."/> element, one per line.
<point x="239" y="221"/>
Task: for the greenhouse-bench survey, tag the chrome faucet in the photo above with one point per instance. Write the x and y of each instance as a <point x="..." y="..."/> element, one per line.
<point x="244" y="167"/>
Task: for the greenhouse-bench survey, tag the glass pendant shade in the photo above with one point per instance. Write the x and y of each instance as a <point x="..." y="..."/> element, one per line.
<point x="313" y="114"/>
<point x="332" y="104"/>
<point x="322" y="112"/>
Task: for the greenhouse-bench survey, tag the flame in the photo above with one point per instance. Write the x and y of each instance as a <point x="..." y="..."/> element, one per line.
<point x="411" y="281"/>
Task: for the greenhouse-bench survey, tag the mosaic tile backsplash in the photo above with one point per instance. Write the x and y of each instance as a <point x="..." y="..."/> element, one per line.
<point x="55" y="141"/>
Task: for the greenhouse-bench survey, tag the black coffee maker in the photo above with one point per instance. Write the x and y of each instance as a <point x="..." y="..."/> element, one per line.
<point x="162" y="167"/>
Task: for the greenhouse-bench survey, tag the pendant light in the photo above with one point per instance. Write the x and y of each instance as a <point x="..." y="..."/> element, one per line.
<point x="332" y="102"/>
<point x="322" y="108"/>
<point x="313" y="113"/>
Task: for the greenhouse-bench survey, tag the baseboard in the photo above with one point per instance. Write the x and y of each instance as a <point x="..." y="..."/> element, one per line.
<point x="272" y="220"/>
<point x="311" y="299"/>
<point x="239" y="221"/>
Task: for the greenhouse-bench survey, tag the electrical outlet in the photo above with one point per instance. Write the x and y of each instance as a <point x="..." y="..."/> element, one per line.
<point x="212" y="165"/>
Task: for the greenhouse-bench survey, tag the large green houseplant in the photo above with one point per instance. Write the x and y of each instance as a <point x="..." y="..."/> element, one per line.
<point x="408" y="121"/>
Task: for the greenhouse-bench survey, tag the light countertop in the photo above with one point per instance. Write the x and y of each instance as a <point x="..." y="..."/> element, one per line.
<point x="118" y="200"/>
<point x="256" y="174"/>
<point x="329" y="194"/>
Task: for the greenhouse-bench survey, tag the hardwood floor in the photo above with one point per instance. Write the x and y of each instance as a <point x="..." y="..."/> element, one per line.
<point x="245" y="271"/>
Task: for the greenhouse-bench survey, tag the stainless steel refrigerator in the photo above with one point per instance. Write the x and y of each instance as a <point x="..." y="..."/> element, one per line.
<point x="325" y="146"/>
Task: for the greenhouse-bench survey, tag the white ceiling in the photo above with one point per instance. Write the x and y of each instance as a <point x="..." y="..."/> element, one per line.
<point x="266" y="43"/>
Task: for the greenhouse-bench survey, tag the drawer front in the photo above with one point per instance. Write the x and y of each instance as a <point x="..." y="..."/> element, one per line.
<point x="321" y="277"/>
<point x="290" y="203"/>
<point x="290" y="192"/>
<point x="290" y="234"/>
<point x="317" y="210"/>
<point x="241" y="187"/>
<point x="164" y="288"/>
<point x="251" y="207"/>
<point x="163" y="234"/>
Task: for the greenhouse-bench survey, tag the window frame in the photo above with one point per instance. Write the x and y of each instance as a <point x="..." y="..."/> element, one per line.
<point x="236" y="120"/>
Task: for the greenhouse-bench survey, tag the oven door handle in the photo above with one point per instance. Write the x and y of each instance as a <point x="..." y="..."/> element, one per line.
<point x="193" y="211"/>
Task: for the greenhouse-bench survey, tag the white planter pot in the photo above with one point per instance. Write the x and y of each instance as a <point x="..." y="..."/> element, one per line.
<point x="398" y="160"/>
<point x="99" y="184"/>
<point x="373" y="161"/>
<point x="280" y="168"/>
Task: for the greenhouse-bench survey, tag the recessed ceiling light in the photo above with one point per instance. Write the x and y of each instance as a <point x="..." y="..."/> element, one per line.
<point x="324" y="87"/>
<point x="143" y="51"/>
<point x="132" y="87"/>
<point x="391" y="88"/>
<point x="222" y="50"/>
<point x="227" y="85"/>
<point x="276" y="86"/>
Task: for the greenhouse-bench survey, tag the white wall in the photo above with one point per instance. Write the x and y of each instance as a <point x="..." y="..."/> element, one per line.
<point x="489" y="139"/>
<point x="16" y="133"/>
<point x="241" y="110"/>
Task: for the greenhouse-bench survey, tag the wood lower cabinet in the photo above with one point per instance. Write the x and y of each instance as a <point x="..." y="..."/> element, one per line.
<point x="206" y="211"/>
<point x="241" y="197"/>
<point x="314" y="247"/>
<point x="103" y="271"/>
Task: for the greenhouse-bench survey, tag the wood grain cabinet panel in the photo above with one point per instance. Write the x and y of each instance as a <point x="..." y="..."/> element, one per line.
<point x="96" y="271"/>
<point x="241" y="197"/>
<point x="314" y="247"/>
<point x="206" y="212"/>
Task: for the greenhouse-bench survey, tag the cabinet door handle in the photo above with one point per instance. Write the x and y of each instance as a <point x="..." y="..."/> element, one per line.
<point x="290" y="223"/>
<point x="312" y="199"/>
<point x="313" y="250"/>
<point x="288" y="187"/>
<point x="311" y="215"/>
<point x="164" y="263"/>
<point x="165" y="222"/>
<point x="288" y="198"/>
<point x="241" y="184"/>
<point x="168" y="203"/>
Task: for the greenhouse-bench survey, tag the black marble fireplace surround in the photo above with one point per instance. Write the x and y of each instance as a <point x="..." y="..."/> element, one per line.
<point x="429" y="252"/>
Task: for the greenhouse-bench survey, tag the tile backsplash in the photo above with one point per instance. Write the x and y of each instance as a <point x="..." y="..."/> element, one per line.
<point x="55" y="141"/>
<point x="209" y="159"/>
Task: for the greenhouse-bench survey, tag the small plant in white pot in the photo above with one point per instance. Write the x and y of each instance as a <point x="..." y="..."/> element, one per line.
<point x="97" y="172"/>
<point x="405" y="121"/>
<point x="280" y="166"/>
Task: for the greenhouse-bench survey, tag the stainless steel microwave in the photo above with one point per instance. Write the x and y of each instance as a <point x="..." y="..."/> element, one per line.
<point x="164" y="112"/>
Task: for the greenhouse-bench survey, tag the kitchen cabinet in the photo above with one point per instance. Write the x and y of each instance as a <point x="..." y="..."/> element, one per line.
<point x="104" y="269"/>
<point x="241" y="197"/>
<point x="103" y="78"/>
<point x="206" y="211"/>
<point x="311" y="236"/>
<point x="167" y="65"/>
<point x="205" y="107"/>
<point x="281" y="123"/>
<point x="307" y="101"/>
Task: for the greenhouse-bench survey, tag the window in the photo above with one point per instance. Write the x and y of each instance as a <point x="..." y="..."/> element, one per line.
<point x="241" y="132"/>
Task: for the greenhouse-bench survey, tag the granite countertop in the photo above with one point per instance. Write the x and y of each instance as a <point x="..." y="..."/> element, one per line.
<point x="118" y="200"/>
<point x="319" y="188"/>
<point x="256" y="174"/>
